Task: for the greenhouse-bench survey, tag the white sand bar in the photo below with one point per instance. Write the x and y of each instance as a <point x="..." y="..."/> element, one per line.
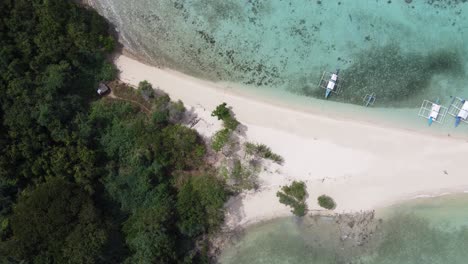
<point x="361" y="165"/>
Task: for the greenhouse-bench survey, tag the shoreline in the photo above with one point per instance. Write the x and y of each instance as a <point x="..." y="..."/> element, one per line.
<point x="363" y="166"/>
<point x="327" y="110"/>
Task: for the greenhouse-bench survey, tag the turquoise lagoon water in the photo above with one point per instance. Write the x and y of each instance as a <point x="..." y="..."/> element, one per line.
<point x="404" y="52"/>
<point x="426" y="231"/>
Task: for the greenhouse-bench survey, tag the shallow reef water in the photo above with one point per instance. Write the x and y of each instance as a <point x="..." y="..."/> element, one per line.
<point x="394" y="75"/>
<point x="402" y="50"/>
<point x="426" y="231"/>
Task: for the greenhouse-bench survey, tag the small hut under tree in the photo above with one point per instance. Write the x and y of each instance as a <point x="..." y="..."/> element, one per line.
<point x="103" y="89"/>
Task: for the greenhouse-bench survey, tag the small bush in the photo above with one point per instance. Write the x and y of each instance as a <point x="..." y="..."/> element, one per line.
<point x="146" y="90"/>
<point x="179" y="106"/>
<point x="296" y="190"/>
<point x="262" y="151"/>
<point x="220" y="139"/>
<point x="108" y="72"/>
<point x="160" y="117"/>
<point x="230" y="123"/>
<point x="326" y="202"/>
<point x="250" y="148"/>
<point x="162" y="102"/>
<point x="294" y="196"/>
<point x="221" y="112"/>
<point x="108" y="43"/>
<point x="176" y="111"/>
<point x="300" y="209"/>
<point x="144" y="86"/>
<point x="243" y="177"/>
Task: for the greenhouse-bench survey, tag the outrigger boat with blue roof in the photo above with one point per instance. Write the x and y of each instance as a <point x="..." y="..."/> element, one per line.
<point x="330" y="82"/>
<point x="433" y="111"/>
<point x="459" y="110"/>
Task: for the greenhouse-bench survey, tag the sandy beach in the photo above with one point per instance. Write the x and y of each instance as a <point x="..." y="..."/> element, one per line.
<point x="361" y="165"/>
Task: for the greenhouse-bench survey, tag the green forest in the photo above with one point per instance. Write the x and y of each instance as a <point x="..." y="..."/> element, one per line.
<point x="85" y="179"/>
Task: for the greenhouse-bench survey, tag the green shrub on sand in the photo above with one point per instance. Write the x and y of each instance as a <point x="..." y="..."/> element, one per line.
<point x="294" y="196"/>
<point x="326" y="202"/>
<point x="262" y="151"/>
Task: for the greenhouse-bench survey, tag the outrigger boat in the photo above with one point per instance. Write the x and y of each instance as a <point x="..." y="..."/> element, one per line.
<point x="463" y="114"/>
<point x="433" y="112"/>
<point x="332" y="83"/>
<point x="459" y="109"/>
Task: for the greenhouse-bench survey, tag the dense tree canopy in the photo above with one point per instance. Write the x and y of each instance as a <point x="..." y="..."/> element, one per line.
<point x="84" y="180"/>
<point x="56" y="221"/>
<point x="52" y="53"/>
<point x="198" y="205"/>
